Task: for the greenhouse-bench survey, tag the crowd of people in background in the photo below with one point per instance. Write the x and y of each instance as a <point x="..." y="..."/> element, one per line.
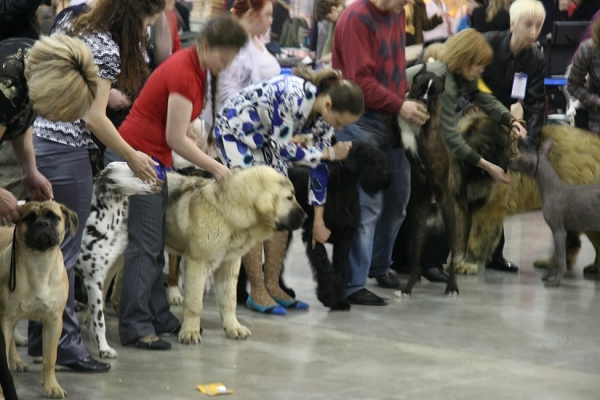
<point x="144" y="89"/>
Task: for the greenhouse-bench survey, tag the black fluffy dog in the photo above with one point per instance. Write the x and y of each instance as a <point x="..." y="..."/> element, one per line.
<point x="365" y="166"/>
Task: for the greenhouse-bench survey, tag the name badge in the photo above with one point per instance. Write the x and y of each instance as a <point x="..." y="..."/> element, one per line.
<point x="519" y="86"/>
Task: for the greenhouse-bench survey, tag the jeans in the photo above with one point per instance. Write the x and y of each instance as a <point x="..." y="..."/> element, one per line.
<point x="69" y="170"/>
<point x="382" y="214"/>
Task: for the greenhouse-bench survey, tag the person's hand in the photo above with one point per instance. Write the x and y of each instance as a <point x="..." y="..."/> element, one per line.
<point x="326" y="59"/>
<point x="320" y="233"/>
<point x="142" y="166"/>
<point x="495" y="171"/>
<point x="414" y="112"/>
<point x="8" y="207"/>
<point x="516" y="127"/>
<point x="117" y="100"/>
<point x="563" y="5"/>
<point x="39" y="188"/>
<point x="498" y="174"/>
<point x="340" y="151"/>
<point x="220" y="172"/>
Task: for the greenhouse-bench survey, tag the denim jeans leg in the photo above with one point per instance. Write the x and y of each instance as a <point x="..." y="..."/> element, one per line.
<point x="362" y="244"/>
<point x="367" y="129"/>
<point x="395" y="200"/>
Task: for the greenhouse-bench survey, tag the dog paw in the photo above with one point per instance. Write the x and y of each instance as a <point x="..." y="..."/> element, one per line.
<point x="108" y="353"/>
<point x="20" y="366"/>
<point x="542" y="264"/>
<point x="174" y="295"/>
<point x="467" y="268"/>
<point x="54" y="392"/>
<point x="237" y="332"/>
<point x="402" y="294"/>
<point x="191" y="337"/>
<point x="452" y="290"/>
<point x="340" y="305"/>
<point x="552" y="282"/>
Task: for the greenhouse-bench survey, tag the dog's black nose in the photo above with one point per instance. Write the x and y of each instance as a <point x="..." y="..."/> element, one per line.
<point x="42" y="223"/>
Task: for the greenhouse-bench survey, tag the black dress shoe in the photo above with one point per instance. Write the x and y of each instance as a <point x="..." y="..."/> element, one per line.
<point x="502" y="265"/>
<point x="435" y="274"/>
<point x="154" y="343"/>
<point x="363" y="297"/>
<point x="88" y="365"/>
<point x="388" y="281"/>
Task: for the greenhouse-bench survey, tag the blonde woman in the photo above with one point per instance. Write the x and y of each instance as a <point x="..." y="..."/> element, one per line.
<point x="116" y="33"/>
<point x="56" y="78"/>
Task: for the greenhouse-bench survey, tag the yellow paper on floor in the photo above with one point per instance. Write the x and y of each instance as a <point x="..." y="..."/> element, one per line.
<point x="214" y="389"/>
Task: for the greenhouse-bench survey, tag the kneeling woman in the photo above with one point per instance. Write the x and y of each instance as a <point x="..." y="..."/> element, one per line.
<point x="256" y="126"/>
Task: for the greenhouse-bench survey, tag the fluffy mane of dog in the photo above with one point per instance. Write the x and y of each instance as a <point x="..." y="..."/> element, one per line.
<point x="575" y="155"/>
<point x="234" y="192"/>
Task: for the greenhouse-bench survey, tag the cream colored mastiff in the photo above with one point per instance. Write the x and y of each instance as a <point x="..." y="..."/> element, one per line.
<point x="40" y="282"/>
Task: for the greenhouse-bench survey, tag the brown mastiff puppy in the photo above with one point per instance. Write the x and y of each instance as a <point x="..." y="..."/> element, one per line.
<point x="38" y="288"/>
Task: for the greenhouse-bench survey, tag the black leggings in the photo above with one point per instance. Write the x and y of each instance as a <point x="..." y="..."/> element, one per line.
<point x="6" y="380"/>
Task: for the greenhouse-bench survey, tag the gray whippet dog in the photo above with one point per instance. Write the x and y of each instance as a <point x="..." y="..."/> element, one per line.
<point x="565" y="207"/>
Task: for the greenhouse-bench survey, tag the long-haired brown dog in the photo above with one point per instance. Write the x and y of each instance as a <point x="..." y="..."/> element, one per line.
<point x="575" y="155"/>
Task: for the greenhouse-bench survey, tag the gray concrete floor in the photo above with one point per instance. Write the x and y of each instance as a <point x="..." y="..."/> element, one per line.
<point x="505" y="337"/>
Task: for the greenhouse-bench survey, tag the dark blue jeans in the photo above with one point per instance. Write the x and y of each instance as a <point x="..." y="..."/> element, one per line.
<point x="381" y="215"/>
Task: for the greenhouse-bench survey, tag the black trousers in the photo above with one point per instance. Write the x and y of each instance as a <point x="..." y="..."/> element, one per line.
<point x="6" y="380"/>
<point x="498" y="256"/>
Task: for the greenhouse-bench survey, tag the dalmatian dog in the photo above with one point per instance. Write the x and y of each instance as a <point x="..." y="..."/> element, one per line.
<point x="105" y="239"/>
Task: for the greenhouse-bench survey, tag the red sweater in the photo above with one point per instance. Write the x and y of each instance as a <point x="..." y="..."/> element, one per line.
<point x="145" y="126"/>
<point x="368" y="47"/>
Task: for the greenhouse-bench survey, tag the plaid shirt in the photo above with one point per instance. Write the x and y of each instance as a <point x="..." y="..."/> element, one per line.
<point x="587" y="61"/>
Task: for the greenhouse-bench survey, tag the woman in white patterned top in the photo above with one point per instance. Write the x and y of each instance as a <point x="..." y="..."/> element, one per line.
<point x="256" y="126"/>
<point x="115" y="30"/>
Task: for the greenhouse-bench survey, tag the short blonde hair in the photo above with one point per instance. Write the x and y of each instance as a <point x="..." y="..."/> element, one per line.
<point x="526" y="8"/>
<point x="62" y="78"/>
<point x="465" y="49"/>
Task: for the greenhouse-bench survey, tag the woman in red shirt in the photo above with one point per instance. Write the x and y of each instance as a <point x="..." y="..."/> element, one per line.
<point x="172" y="97"/>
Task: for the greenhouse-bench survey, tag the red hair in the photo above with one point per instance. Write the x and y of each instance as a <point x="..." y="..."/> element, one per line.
<point x="241" y="7"/>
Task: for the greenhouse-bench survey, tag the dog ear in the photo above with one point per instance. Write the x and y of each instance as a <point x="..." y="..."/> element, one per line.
<point x="266" y="209"/>
<point x="71" y="220"/>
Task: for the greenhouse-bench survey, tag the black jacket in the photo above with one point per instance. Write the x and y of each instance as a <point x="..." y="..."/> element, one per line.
<point x="18" y="19"/>
<point x="500" y="74"/>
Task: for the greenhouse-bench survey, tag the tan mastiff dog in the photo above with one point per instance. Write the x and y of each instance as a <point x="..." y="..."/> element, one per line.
<point x="37" y="288"/>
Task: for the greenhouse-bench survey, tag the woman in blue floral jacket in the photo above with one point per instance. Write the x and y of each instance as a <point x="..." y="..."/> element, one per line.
<point x="256" y="126"/>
